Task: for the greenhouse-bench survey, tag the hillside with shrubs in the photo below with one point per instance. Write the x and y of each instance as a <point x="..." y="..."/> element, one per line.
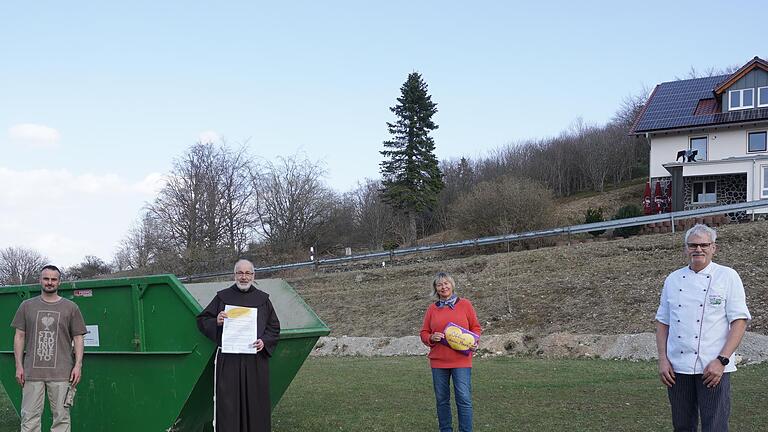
<point x="610" y="286"/>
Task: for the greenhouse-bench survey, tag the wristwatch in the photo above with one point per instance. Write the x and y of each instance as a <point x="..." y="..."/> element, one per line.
<point x="723" y="360"/>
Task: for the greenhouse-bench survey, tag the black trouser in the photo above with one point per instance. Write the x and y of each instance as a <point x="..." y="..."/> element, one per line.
<point x="689" y="397"/>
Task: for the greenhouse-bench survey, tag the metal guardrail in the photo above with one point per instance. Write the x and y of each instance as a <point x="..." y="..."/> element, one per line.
<point x="573" y="229"/>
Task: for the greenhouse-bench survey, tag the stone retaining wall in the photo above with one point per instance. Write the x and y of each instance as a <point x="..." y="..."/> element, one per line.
<point x="684" y="224"/>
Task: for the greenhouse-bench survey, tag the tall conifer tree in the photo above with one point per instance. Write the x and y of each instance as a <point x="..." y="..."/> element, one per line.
<point x="411" y="176"/>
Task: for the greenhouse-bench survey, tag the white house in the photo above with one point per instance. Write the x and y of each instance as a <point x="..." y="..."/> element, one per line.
<point x="725" y="119"/>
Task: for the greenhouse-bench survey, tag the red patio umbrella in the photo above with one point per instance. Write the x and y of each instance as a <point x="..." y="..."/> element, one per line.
<point x="658" y="198"/>
<point x="647" y="206"/>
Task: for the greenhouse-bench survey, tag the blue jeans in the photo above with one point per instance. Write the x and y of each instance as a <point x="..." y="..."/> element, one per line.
<point x="462" y="388"/>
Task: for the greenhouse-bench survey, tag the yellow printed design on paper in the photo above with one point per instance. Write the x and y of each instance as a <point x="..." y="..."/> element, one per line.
<point x="459" y="340"/>
<point x="238" y="312"/>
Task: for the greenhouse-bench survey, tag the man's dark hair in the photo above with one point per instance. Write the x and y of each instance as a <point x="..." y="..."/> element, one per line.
<point x="51" y="267"/>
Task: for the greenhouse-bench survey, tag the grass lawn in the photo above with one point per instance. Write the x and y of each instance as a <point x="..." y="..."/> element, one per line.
<point x="395" y="394"/>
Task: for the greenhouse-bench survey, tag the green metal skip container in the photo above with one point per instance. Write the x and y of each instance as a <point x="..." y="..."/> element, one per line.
<point x="146" y="365"/>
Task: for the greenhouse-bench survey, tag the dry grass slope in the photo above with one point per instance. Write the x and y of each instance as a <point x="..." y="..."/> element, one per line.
<point x="607" y="287"/>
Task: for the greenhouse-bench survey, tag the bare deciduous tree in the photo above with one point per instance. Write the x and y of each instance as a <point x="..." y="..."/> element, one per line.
<point x="19" y="265"/>
<point x="594" y="150"/>
<point x="339" y="228"/>
<point x="203" y="212"/>
<point x="141" y="246"/>
<point x="709" y="72"/>
<point x="186" y="207"/>
<point x="291" y="202"/>
<point x="581" y="158"/>
<point x="90" y="267"/>
<point x="373" y="218"/>
<point x="459" y="177"/>
<point x="503" y="206"/>
<point x="236" y="190"/>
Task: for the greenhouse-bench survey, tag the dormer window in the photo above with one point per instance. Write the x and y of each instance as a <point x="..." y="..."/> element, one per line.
<point x="762" y="96"/>
<point x="741" y="99"/>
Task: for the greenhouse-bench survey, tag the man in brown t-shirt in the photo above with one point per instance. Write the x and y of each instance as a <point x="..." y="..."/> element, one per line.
<point x="48" y="347"/>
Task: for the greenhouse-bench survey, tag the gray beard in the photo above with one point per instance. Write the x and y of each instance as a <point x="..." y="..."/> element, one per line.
<point x="242" y="287"/>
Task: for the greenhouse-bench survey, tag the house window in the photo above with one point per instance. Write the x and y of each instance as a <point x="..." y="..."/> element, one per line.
<point x="757" y="141"/>
<point x="704" y="192"/>
<point x="741" y="99"/>
<point x="765" y="182"/>
<point x="700" y="144"/>
<point x="762" y="96"/>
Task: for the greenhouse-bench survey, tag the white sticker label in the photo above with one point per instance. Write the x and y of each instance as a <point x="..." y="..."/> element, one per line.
<point x="92" y="337"/>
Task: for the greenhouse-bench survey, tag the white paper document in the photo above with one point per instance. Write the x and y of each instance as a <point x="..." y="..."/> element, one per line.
<point x="239" y="331"/>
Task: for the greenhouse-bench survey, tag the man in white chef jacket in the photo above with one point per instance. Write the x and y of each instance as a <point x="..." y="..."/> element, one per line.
<point x="700" y="322"/>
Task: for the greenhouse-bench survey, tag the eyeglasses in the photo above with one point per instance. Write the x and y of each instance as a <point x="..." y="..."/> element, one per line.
<point x="243" y="273"/>
<point x="699" y="245"/>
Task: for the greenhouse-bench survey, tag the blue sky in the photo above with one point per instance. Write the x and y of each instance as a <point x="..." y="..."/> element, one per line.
<point x="97" y="98"/>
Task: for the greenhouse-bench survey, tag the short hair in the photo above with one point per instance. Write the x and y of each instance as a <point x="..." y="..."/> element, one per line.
<point x="701" y="229"/>
<point x="253" y="268"/>
<point x="51" y="267"/>
<point x="442" y="276"/>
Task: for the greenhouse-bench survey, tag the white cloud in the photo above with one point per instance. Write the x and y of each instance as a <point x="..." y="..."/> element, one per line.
<point x="66" y="215"/>
<point x="150" y="185"/>
<point x="34" y="135"/>
<point x="209" y="136"/>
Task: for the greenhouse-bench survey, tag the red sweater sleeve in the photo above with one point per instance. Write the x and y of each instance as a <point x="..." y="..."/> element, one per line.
<point x="426" y="328"/>
<point x="474" y="324"/>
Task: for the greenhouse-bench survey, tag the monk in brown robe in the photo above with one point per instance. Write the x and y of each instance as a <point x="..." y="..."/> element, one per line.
<point x="241" y="383"/>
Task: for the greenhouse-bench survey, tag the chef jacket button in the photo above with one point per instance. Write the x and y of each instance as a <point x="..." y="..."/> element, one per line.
<point x="681" y="352"/>
<point x="679" y="337"/>
<point x="698" y="320"/>
<point x="695" y="337"/>
<point x="678" y="320"/>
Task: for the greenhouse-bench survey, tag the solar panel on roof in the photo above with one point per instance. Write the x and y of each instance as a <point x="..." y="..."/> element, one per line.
<point x="673" y="105"/>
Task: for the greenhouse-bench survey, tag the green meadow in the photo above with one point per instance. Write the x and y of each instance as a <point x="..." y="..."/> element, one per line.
<point x="395" y="394"/>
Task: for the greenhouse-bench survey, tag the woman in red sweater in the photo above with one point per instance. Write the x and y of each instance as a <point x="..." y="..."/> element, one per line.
<point x="448" y="364"/>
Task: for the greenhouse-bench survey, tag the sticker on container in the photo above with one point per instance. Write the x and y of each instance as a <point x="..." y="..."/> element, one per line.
<point x="92" y="337"/>
<point x="83" y="293"/>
